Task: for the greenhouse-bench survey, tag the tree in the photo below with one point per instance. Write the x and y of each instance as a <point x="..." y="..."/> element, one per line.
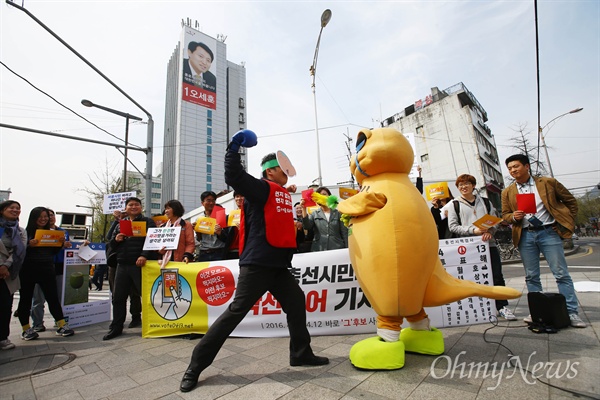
<point x="522" y="144"/>
<point x="106" y="180"/>
<point x="589" y="208"/>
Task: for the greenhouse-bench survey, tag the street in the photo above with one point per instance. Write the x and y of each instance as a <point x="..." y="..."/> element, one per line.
<point x="586" y="258"/>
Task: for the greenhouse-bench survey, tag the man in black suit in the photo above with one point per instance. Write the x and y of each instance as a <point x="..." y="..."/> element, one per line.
<point x="196" y="67"/>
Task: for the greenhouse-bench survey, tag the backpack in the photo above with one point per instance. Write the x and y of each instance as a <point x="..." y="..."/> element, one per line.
<point x="486" y="201"/>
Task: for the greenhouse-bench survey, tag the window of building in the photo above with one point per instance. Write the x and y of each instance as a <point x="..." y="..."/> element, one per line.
<point x="208" y="186"/>
<point x="208" y="178"/>
<point x="209" y="169"/>
<point x="156" y="195"/>
<point x="209" y="114"/>
<point x="208" y="150"/>
<point x="208" y="158"/>
<point x="155" y="185"/>
<point x="155" y="206"/>
<point x="242" y="119"/>
<point x="424" y="157"/>
<point x="242" y="102"/>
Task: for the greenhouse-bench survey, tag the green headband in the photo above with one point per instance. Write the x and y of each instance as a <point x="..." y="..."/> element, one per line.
<point x="270" y="164"/>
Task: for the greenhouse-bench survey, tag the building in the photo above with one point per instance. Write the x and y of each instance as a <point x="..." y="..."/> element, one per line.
<point x="137" y="182"/>
<point x="201" y="114"/>
<point x="451" y="138"/>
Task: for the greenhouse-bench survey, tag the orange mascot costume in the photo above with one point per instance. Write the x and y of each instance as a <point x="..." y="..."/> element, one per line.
<point x="393" y="246"/>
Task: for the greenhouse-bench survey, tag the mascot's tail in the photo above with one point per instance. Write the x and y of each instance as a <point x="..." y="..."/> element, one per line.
<point x="443" y="288"/>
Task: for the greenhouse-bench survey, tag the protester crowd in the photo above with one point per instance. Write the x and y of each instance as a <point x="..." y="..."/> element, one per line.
<point x="36" y="270"/>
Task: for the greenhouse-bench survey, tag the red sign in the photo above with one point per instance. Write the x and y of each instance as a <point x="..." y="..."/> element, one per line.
<point x="462" y="250"/>
<point x="196" y="95"/>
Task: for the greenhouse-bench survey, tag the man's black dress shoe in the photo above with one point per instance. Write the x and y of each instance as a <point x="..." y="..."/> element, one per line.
<point x="313" y="360"/>
<point x="113" y="333"/>
<point x="135" y="323"/>
<point x="189" y="381"/>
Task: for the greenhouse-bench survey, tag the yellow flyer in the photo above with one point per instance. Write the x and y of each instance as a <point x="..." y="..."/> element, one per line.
<point x="205" y="225"/>
<point x="49" y="238"/>
<point x="346" y="193"/>
<point x="438" y="189"/>
<point x="309" y="210"/>
<point x="234" y="218"/>
<point x="487" y="221"/>
<point x="160" y="219"/>
<point x="138" y="228"/>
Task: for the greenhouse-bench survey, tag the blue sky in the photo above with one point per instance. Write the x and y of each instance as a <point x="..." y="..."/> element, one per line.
<point x="375" y="59"/>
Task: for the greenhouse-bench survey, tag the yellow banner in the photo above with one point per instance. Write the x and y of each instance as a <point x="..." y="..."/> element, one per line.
<point x="138" y="228"/>
<point x="49" y="238"/>
<point x="438" y="189"/>
<point x="487" y="221"/>
<point x="234" y="218"/>
<point x="160" y="219"/>
<point x="205" y="225"/>
<point x="346" y="193"/>
<point x="175" y="299"/>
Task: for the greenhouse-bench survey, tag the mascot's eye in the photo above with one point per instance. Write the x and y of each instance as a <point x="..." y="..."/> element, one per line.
<point x="361" y="140"/>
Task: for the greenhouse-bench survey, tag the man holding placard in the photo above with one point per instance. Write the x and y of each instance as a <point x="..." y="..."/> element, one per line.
<point x="128" y="241"/>
<point x="473" y="215"/>
<point x="209" y="229"/>
<point x="541" y="211"/>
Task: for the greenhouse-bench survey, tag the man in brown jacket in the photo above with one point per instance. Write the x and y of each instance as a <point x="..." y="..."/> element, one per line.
<point x="541" y="231"/>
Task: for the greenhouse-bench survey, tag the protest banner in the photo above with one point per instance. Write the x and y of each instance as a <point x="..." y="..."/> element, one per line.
<point x="116" y="201"/>
<point x="188" y="298"/>
<point x="49" y="238"/>
<point x="157" y="238"/>
<point x="78" y="308"/>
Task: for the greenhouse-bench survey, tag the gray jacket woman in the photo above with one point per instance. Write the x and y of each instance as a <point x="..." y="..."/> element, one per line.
<point x="13" y="244"/>
<point x="330" y="232"/>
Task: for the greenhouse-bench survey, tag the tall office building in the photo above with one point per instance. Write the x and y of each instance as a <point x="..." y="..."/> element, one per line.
<point x="451" y="138"/>
<point x="205" y="106"/>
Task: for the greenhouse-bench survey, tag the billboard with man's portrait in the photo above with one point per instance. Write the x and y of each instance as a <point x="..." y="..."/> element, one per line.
<point x="199" y="66"/>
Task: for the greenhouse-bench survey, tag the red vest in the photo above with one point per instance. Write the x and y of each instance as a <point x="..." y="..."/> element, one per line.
<point x="279" y="219"/>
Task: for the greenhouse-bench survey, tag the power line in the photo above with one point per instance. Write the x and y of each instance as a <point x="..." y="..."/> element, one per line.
<point x="59" y="103"/>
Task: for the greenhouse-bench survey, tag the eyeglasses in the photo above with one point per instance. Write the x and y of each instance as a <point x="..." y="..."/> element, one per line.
<point x="464" y="185"/>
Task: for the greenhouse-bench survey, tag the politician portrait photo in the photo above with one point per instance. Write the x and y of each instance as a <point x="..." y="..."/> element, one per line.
<point x="196" y="67"/>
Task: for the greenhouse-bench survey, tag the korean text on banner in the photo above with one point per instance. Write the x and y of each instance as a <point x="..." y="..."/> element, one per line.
<point x="49" y="238"/>
<point x="438" y="189"/>
<point x="234" y="218"/>
<point x="158" y="238"/>
<point x="115" y="201"/>
<point x="205" y="225"/>
<point x="195" y="295"/>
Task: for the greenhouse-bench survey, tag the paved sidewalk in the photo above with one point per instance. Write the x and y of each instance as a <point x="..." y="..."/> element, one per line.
<point x="130" y="367"/>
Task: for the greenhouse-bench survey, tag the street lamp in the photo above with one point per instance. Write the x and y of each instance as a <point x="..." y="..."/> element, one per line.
<point x="325" y="18"/>
<point x="91" y="215"/>
<point x="127" y="117"/>
<point x="543" y="139"/>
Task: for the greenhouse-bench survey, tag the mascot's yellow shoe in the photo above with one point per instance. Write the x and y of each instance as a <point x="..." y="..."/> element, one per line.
<point x="423" y="342"/>
<point x="375" y="353"/>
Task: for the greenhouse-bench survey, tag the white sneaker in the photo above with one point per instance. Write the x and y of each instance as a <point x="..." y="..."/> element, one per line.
<point x="528" y="319"/>
<point x="6" y="344"/>
<point x="29" y="334"/>
<point x="576" y="322"/>
<point x="505" y="313"/>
